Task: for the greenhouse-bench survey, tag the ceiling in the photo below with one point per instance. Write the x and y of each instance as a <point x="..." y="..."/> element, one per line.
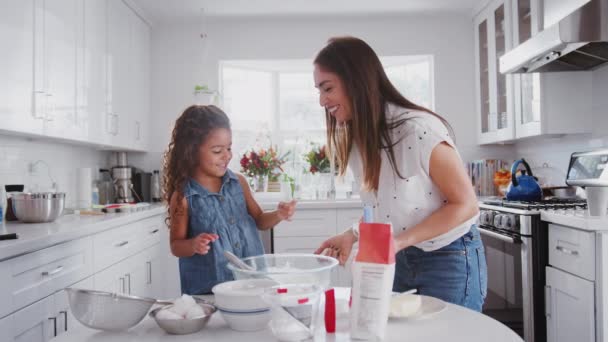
<point x="171" y="11"/>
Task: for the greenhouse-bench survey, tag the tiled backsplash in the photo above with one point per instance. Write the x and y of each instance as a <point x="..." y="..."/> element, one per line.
<point x="63" y="160"/>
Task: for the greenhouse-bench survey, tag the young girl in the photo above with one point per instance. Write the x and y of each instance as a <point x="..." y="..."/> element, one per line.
<point x="211" y="209"/>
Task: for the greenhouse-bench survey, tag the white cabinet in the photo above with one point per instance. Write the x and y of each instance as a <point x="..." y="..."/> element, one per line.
<point x="17" y="110"/>
<point x="33" y="323"/>
<point x="64" y="319"/>
<point x="573" y="294"/>
<point x="495" y="104"/>
<point x="75" y="70"/>
<point x="516" y="106"/>
<point x="91" y="85"/>
<point x="570" y="307"/>
<point x="138" y="122"/>
<point x="57" y="26"/>
<point x="118" y="75"/>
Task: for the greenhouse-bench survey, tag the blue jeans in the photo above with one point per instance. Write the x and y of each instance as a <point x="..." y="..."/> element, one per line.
<point x="456" y="273"/>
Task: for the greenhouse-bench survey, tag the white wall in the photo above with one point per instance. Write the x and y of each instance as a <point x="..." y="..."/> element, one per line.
<point x="16" y="153"/>
<point x="179" y="62"/>
<point x="556" y="151"/>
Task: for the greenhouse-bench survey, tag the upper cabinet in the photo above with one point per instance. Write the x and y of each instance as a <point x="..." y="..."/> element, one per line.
<point x="75" y="70"/>
<point x="18" y="110"/>
<point x="495" y="91"/>
<point x="515" y="106"/>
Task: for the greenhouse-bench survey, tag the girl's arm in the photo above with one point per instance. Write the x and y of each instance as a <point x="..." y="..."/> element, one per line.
<point x="269" y="219"/>
<point x="181" y="246"/>
<point x="447" y="173"/>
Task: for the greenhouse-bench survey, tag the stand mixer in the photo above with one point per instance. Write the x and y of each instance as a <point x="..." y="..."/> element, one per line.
<point x="590" y="171"/>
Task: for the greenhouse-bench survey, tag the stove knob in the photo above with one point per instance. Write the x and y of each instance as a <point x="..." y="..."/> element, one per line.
<point x="498" y="220"/>
<point x="508" y="222"/>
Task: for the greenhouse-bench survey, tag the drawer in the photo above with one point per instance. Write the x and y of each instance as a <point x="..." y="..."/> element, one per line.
<point x="572" y="250"/>
<point x="36" y="275"/>
<point x="116" y="244"/>
<point x="315" y="222"/>
<point x="149" y="234"/>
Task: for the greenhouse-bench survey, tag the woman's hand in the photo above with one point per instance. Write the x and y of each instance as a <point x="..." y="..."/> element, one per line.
<point x="338" y="247"/>
<point x="286" y="210"/>
<point x="200" y="243"/>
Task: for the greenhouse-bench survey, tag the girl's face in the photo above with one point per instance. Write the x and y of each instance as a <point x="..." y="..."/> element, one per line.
<point x="215" y="153"/>
<point x="332" y="95"/>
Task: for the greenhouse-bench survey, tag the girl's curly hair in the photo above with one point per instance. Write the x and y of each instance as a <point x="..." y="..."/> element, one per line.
<point x="181" y="157"/>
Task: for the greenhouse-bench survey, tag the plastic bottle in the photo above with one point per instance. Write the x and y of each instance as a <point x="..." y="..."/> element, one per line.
<point x="95" y="194"/>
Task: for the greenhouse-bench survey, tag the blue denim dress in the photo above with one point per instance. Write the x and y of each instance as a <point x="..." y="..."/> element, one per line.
<point x="456" y="273"/>
<point x="223" y="213"/>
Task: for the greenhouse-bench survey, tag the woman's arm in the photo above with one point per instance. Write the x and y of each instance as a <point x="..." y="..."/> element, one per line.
<point x="181" y="246"/>
<point x="265" y="220"/>
<point x="447" y="173"/>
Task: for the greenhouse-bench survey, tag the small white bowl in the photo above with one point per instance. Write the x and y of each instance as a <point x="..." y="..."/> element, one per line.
<point x="241" y="303"/>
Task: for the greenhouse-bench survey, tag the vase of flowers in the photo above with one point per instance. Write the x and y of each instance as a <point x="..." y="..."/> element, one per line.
<point x="320" y="167"/>
<point x="262" y="165"/>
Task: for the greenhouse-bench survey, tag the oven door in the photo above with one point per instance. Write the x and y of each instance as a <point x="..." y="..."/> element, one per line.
<point x="504" y="301"/>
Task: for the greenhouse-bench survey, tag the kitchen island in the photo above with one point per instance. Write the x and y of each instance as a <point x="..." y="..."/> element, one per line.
<point x="454" y="324"/>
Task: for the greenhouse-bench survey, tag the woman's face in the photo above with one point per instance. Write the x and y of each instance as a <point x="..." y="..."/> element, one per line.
<point x="215" y="153"/>
<point x="332" y="95"/>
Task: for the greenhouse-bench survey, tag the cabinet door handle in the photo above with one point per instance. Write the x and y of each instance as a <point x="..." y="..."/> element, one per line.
<point x="138" y="131"/>
<point x="154" y="231"/>
<point x="54" y="319"/>
<point x="123" y="243"/>
<point x="65" y="319"/>
<point x="566" y="250"/>
<point x="116" y="124"/>
<point x="548" y="301"/>
<point x="53" y="272"/>
<point x="149" y="264"/>
<point x="128" y="277"/>
<point x="122" y="284"/>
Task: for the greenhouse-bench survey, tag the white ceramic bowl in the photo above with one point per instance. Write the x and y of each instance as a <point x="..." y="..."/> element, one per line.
<point x="241" y="305"/>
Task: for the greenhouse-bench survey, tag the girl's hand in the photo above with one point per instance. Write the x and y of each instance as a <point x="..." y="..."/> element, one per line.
<point x="286" y="210"/>
<point x="338" y="246"/>
<point x="200" y="243"/>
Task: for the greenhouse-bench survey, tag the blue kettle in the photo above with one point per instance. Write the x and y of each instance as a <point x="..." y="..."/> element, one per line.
<point x="523" y="187"/>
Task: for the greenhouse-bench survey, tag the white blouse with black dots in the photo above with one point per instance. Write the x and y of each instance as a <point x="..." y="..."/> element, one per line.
<point x="406" y="202"/>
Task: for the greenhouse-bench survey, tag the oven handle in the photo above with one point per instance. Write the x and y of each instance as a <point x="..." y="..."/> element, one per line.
<point x="501" y="237"/>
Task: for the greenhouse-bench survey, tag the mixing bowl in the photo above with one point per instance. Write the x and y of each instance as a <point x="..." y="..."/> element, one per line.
<point x="288" y="268"/>
<point x="107" y="311"/>
<point x="37" y="207"/>
<point x="241" y="305"/>
<point x="186" y="325"/>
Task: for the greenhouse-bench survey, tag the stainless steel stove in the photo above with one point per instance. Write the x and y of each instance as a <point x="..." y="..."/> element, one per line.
<point x="516" y="244"/>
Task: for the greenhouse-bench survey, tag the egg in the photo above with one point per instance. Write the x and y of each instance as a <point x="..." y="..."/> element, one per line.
<point x="194" y="312"/>
<point x="168" y="314"/>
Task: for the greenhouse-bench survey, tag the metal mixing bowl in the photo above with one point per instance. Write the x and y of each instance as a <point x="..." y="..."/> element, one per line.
<point x="184" y="326"/>
<point x="107" y="311"/>
<point x="38" y="207"/>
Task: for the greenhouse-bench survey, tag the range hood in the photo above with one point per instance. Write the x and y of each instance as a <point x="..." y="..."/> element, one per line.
<point x="579" y="41"/>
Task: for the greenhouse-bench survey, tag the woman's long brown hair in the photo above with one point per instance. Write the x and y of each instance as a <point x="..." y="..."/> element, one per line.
<point x="181" y="157"/>
<point x="369" y="91"/>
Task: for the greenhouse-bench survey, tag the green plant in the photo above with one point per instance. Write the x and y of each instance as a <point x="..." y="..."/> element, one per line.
<point x="200" y="88"/>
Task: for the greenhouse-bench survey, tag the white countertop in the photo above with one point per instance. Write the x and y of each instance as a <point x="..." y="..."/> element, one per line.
<point x="580" y="220"/>
<point x="454" y="324"/>
<point x="36" y="236"/>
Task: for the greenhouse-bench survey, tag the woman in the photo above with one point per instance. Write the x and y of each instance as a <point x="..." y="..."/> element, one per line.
<point x="406" y="162"/>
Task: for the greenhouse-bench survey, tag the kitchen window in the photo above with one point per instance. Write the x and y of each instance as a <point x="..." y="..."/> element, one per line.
<point x="275" y="102"/>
